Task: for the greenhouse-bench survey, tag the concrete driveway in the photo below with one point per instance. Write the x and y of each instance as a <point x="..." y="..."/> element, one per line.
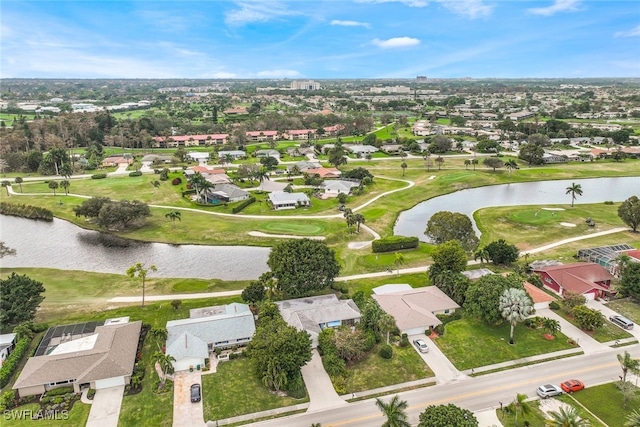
<point x="105" y="409"/>
<point x="185" y="413"/>
<point x="585" y="341"/>
<point x="442" y="368"/>
<point x="322" y="395"/>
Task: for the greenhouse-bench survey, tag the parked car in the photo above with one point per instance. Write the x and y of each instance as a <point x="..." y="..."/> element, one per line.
<point x="621" y="321"/>
<point x="421" y="345"/>
<point x="548" y="390"/>
<point x="195" y="393"/>
<point x="570" y="386"/>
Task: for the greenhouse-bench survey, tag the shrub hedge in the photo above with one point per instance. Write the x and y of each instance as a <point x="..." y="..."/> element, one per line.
<point x="11" y="364"/>
<point x="243" y="205"/>
<point x="135" y="173"/>
<point x="26" y="211"/>
<point x="394" y="243"/>
<point x="99" y="176"/>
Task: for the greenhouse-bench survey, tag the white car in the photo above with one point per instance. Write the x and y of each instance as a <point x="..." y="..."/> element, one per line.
<point x="421" y="345"/>
<point x="548" y="390"/>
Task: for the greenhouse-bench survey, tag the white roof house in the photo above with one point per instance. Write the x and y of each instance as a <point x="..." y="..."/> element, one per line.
<point x="190" y="340"/>
<point x="414" y="309"/>
<point x="313" y="314"/>
<point x="283" y="200"/>
<point x="339" y="186"/>
<point x="360" y="150"/>
<point x="271" y="186"/>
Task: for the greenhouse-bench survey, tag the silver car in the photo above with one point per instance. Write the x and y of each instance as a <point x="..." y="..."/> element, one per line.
<point x="421" y="345"/>
<point x="548" y="390"/>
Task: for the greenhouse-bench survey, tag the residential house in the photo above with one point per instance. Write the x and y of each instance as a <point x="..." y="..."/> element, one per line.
<point x="281" y="200"/>
<point x="360" y="150"/>
<point x="268" y="153"/>
<point x="335" y="187"/>
<point x="93" y="355"/>
<point x="201" y="157"/>
<point x="414" y="310"/>
<point x="325" y="173"/>
<point x="391" y="148"/>
<point x="554" y="158"/>
<point x="304" y="165"/>
<point x="202" y="140"/>
<point x="156" y="158"/>
<point x="540" y="298"/>
<point x="235" y="154"/>
<point x="7" y="344"/>
<point x="261" y="135"/>
<point x="190" y="341"/>
<point x="586" y="278"/>
<point x="226" y="193"/>
<point x="313" y="314"/>
<point x="477" y="273"/>
<point x="300" y="134"/>
<point x="271" y="186"/>
<point x="117" y="160"/>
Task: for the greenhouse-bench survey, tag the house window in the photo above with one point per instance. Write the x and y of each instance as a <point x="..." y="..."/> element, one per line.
<point x="446" y="311"/>
<point x="222" y="342"/>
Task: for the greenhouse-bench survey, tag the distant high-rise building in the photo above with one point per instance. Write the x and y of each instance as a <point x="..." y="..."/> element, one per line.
<point x="421" y="79"/>
<point x="305" y="85"/>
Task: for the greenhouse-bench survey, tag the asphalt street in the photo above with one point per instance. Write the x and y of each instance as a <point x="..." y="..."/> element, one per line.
<point x="475" y="394"/>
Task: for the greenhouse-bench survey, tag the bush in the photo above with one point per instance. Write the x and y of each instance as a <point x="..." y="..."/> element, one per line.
<point x="99" y="176"/>
<point x="394" y="243"/>
<point x="176" y="181"/>
<point x="296" y="388"/>
<point x="370" y="341"/>
<point x="334" y="365"/>
<point x="26" y="211"/>
<point x="404" y="341"/>
<point x="553" y="305"/>
<point x="608" y="202"/>
<point x="176" y="303"/>
<point x="243" y="205"/>
<point x="60" y="391"/>
<point x="386" y="352"/>
<point x="135" y="173"/>
<point x="11" y="364"/>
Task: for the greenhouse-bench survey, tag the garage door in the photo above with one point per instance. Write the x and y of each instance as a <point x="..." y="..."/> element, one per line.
<point x="109" y="382"/>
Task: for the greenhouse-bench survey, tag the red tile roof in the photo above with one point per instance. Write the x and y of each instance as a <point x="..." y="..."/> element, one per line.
<point x="634" y="253"/>
<point x="579" y="277"/>
<point x="537" y="295"/>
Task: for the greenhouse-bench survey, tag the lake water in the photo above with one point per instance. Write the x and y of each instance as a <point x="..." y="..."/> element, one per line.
<point x="65" y="246"/>
<point x="413" y="222"/>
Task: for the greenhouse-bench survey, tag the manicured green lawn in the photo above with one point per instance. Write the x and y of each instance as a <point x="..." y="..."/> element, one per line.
<point x="366" y="285"/>
<point x="364" y="260"/>
<point x="608" y="332"/>
<point x="532" y="226"/>
<point x="373" y="371"/>
<point x="82" y="292"/>
<point x="469" y="343"/>
<point x="606" y="402"/>
<point x="77" y="417"/>
<point x="627" y="307"/>
<point x="235" y="390"/>
<point x="535" y="417"/>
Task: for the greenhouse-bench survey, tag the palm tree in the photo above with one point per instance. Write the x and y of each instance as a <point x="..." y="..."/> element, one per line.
<point x="165" y="362"/>
<point x="633" y="419"/>
<point x="65" y="184"/>
<point x="552" y="326"/>
<point x="53" y="185"/>
<point x="515" y="306"/>
<point x="482" y="254"/>
<point x="359" y="219"/>
<point x="398" y="260"/>
<point x="395" y="411"/>
<point x="520" y="403"/>
<point x="467" y="163"/>
<point x="138" y="271"/>
<point x="261" y="174"/>
<point x="19" y="181"/>
<point x="155" y="183"/>
<point x="173" y="215"/>
<point x="567" y="416"/>
<point x="6" y="184"/>
<point x="159" y="334"/>
<point x="204" y="186"/>
<point x="439" y="161"/>
<point x="574" y="189"/>
<point x="403" y="166"/>
<point x="474" y="162"/>
<point x="627" y="363"/>
<point x="510" y="165"/>
<point x="350" y="220"/>
<point x="228" y="158"/>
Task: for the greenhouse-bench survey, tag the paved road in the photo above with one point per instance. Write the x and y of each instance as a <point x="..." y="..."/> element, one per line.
<point x="476" y="394"/>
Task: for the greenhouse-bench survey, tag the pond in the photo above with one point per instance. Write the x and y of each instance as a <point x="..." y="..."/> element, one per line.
<point x="413" y="222"/>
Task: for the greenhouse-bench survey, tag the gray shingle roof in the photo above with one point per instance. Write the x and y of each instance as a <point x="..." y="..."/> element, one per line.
<point x="112" y="355"/>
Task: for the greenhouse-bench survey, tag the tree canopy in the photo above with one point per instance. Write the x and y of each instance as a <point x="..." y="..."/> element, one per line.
<point x="531" y="154"/>
<point x="483" y="296"/>
<point x="20" y="297"/>
<point x="500" y="252"/>
<point x="446" y="416"/>
<point x="444" y="226"/>
<point x="303" y="266"/>
<point x="629" y="212"/>
<point x="629" y="284"/>
<point x="278" y="350"/>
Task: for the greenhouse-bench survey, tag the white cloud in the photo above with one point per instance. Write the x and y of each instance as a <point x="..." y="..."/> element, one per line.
<point x="396" y="42"/>
<point x="257" y="12"/>
<point x="219" y="75"/>
<point x="556" y="7"/>
<point x="634" y="32"/>
<point x="278" y="74"/>
<point x="410" y="3"/>
<point x="469" y="8"/>
<point x="349" y="23"/>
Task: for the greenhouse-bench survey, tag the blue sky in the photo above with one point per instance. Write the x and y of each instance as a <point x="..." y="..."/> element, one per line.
<point x="320" y="39"/>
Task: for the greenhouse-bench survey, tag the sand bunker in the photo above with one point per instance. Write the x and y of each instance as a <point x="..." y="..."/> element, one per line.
<point x="567" y="224"/>
<point x="553" y="209"/>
